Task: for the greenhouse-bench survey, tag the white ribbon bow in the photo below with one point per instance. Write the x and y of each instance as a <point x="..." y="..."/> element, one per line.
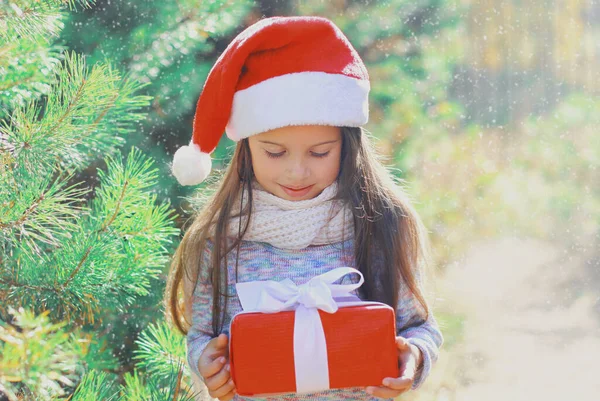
<point x="310" y="347"/>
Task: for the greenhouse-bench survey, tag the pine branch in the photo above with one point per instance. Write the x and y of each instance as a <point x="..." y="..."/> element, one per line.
<point x="95" y="386"/>
<point x="87" y="113"/>
<point x="161" y="352"/>
<point x="35" y="210"/>
<point x="25" y="71"/>
<point x="27" y="58"/>
<point x="114" y="249"/>
<point x="134" y="388"/>
<point x="194" y="23"/>
<point x="103" y="228"/>
<point x="151" y="388"/>
<point x="35" y="18"/>
<point x="30" y="19"/>
<point x="32" y="149"/>
<point x="160" y="349"/>
<point x="38" y="356"/>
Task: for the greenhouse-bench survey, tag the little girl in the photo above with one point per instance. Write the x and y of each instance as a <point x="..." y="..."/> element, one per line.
<point x="304" y="193"/>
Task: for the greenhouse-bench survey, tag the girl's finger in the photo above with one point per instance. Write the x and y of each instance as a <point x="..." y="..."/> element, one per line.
<point x="217" y="346"/>
<point x="383" y="392"/>
<point x="217" y="381"/>
<point x="223" y="390"/>
<point x="222" y="341"/>
<point x="401" y="383"/>
<point x="401" y="343"/>
<point x="228" y="396"/>
<point x="209" y="367"/>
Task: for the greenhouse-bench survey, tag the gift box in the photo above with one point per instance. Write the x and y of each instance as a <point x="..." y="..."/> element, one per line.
<point x="308" y="338"/>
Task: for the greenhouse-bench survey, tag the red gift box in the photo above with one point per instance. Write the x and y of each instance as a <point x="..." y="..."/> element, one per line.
<point x="361" y="348"/>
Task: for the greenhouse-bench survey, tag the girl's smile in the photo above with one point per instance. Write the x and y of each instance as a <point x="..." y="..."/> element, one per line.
<point x="296" y="192"/>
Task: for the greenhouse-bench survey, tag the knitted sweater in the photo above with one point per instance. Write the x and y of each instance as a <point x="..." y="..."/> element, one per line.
<point x="262" y="261"/>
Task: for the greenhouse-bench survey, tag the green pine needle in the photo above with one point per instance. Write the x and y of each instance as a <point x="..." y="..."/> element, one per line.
<point x="95" y="386"/>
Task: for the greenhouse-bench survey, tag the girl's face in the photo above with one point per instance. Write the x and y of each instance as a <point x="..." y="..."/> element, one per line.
<point x="296" y="162"/>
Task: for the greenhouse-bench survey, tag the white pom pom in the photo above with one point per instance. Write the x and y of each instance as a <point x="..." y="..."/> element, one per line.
<point x="191" y="166"/>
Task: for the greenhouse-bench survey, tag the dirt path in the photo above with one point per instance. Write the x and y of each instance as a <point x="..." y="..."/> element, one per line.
<point x="533" y="329"/>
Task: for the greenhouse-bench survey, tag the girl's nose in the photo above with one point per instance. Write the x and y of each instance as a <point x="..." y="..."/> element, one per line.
<point x="297" y="169"/>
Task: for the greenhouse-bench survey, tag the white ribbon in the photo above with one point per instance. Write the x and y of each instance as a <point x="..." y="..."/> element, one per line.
<point x="310" y="347"/>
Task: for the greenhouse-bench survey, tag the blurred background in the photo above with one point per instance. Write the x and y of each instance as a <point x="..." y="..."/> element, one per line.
<point x="488" y="110"/>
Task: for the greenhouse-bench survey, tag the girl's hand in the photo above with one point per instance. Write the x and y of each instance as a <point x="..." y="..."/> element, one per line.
<point x="410" y="357"/>
<point x="214" y="368"/>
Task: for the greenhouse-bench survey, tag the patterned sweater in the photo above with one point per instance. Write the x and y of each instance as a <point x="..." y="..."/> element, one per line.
<point x="262" y="261"/>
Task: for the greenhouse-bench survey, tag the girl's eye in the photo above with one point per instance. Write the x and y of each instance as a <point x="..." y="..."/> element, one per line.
<point x="274" y="155"/>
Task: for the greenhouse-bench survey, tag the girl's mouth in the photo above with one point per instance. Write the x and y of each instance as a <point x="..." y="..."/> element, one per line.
<point x="296" y="193"/>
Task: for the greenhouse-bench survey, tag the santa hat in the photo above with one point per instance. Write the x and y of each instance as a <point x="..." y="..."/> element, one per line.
<point x="278" y="72"/>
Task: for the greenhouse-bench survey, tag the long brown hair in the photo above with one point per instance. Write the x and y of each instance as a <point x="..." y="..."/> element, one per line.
<point x="390" y="239"/>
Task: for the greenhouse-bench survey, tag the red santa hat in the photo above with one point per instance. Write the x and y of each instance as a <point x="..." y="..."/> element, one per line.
<point x="278" y="72"/>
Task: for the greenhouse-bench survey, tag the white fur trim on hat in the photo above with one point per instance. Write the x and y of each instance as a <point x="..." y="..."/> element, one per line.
<point x="303" y="98"/>
<point x="191" y="166"/>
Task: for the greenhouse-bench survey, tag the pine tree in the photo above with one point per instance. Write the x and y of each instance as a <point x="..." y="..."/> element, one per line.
<point x="76" y="255"/>
<point x="170" y="46"/>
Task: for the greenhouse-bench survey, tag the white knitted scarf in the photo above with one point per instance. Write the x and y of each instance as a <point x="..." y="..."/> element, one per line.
<point x="294" y="224"/>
